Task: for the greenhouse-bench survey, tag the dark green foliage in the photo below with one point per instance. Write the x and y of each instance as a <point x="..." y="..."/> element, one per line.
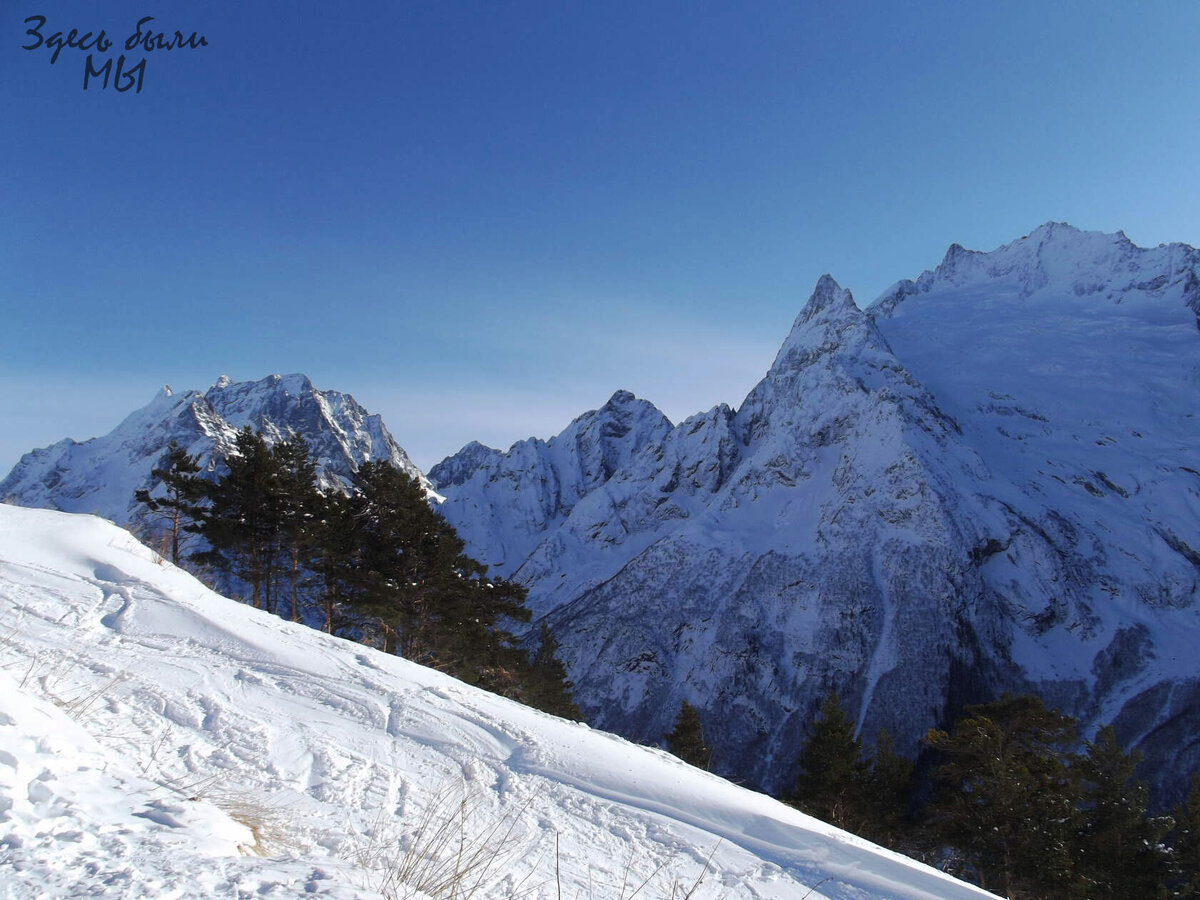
<point x="548" y="687"/>
<point x="253" y="514"/>
<point x="833" y="775"/>
<point x="298" y="508"/>
<point x="686" y="740"/>
<point x="1121" y="853"/>
<point x="332" y="561"/>
<point x="889" y="784"/>
<point x="378" y="562"/>
<point x="413" y="577"/>
<point x="1008" y="797"/>
<point x="183" y="492"/>
<point x="1185" y="844"/>
<point x="867" y="795"/>
<point x="1016" y="810"/>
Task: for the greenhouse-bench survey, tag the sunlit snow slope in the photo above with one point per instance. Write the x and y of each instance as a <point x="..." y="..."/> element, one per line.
<point x="158" y="740"/>
<point x="988" y="481"/>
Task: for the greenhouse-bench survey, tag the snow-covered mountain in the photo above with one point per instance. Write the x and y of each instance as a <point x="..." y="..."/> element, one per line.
<point x="100" y="475"/>
<point x="158" y="740"/>
<point x="989" y="480"/>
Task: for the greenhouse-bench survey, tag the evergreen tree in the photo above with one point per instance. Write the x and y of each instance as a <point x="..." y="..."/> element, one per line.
<point x="298" y="508"/>
<point x="433" y="602"/>
<point x="242" y="521"/>
<point x="1121" y="851"/>
<point x="183" y="491"/>
<point x="549" y="687"/>
<point x="383" y="562"/>
<point x="334" y="559"/>
<point x="833" y="775"/>
<point x="686" y="740"/>
<point x="1008" y="796"/>
<point x="889" y="784"/>
<point x="1185" y="844"/>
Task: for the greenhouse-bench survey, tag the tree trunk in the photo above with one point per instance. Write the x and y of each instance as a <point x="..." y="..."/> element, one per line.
<point x="295" y="580"/>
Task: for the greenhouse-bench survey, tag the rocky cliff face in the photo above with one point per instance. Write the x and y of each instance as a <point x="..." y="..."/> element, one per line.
<point x="985" y="482"/>
<point x="100" y="475"/>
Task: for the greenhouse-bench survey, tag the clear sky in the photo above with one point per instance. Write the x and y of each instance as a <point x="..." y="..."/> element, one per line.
<point x="481" y="219"/>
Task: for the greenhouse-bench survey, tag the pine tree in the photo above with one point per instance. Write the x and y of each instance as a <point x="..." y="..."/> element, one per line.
<point x="334" y="559"/>
<point x="242" y="521"/>
<point x="183" y="491"/>
<point x="1121" y="851"/>
<point x="1009" y="797"/>
<point x="686" y="740"/>
<point x="833" y="775"/>
<point x="1185" y="844"/>
<point x="889" y="784"/>
<point x="298" y="511"/>
<point x="549" y="688"/>
<point x="434" y="603"/>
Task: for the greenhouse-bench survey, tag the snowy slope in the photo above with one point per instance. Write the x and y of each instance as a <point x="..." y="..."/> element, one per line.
<point x="156" y="738"/>
<point x="986" y="482"/>
<point x="100" y="476"/>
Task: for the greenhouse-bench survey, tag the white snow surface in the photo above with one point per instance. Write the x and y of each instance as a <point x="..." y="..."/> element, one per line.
<point x="100" y="475"/>
<point x="159" y="740"/>
<point x="987" y="481"/>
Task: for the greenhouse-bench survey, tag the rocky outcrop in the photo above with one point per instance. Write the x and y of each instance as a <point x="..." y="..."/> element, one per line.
<point x="979" y="484"/>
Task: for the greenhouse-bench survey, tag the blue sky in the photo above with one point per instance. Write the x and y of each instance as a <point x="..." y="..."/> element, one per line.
<point x="481" y="219"/>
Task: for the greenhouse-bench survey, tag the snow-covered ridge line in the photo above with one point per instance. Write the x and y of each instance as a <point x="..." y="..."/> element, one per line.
<point x="100" y="475"/>
<point x="1057" y="257"/>
<point x="147" y="723"/>
<point x="980" y="483"/>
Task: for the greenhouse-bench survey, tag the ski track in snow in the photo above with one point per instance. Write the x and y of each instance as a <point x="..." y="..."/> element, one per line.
<point x="157" y="740"/>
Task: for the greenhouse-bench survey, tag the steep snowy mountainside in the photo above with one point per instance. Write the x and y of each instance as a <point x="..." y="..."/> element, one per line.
<point x="159" y="740"/>
<point x="921" y="505"/>
<point x="549" y="477"/>
<point x="100" y="475"/>
<point x="745" y="562"/>
<point x="1071" y="360"/>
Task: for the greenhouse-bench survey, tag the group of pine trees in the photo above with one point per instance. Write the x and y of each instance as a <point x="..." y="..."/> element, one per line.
<point x="1008" y="798"/>
<point x="377" y="564"/>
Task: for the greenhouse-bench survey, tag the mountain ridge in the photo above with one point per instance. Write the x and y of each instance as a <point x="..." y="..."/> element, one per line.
<point x="905" y="508"/>
<point x="100" y="475"/>
<point x="983" y="481"/>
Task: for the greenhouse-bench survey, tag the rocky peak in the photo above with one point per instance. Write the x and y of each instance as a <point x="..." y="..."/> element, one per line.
<point x="620" y="398"/>
<point x="100" y="475"/>
<point x="457" y="469"/>
<point x="830" y="332"/>
<point x="1057" y="260"/>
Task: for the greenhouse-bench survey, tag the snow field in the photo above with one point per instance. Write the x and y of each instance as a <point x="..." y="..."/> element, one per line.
<point x="157" y="740"/>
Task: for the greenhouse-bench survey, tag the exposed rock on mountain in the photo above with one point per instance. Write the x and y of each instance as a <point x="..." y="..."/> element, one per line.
<point x="988" y="480"/>
<point x="985" y="482"/>
<point x="100" y="475"/>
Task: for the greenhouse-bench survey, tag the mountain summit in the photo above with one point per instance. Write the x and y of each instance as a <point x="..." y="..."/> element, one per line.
<point x="100" y="475"/>
<point x="988" y="480"/>
<point x="985" y="481"/>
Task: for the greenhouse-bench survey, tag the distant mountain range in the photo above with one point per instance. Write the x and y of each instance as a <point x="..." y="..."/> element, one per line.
<point x="100" y="476"/>
<point x="987" y="480"/>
